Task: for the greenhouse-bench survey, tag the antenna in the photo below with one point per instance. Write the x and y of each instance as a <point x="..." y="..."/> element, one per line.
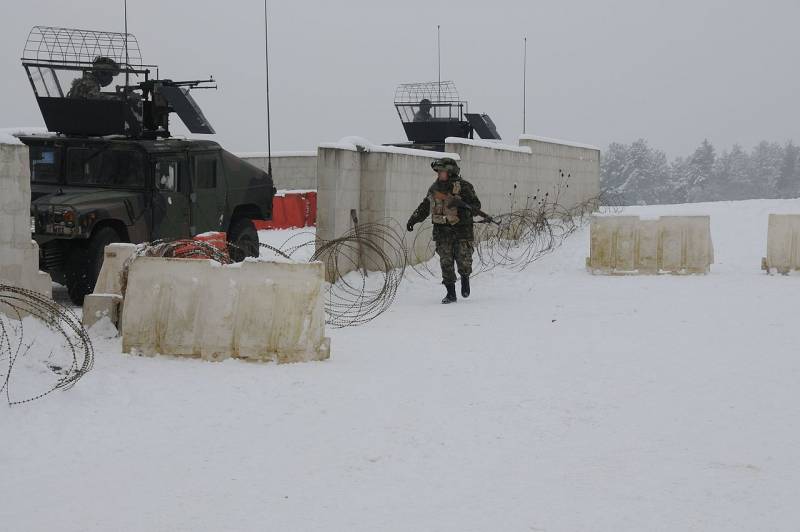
<point x="127" y="59"/>
<point x="266" y="67"/>
<point x="524" y="83"/>
<point x="439" y="55"/>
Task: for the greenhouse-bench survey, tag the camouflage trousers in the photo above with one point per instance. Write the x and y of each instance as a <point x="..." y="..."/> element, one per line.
<point x="454" y="250"/>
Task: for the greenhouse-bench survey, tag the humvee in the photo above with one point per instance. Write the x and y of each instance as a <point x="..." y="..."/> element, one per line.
<point x="112" y="172"/>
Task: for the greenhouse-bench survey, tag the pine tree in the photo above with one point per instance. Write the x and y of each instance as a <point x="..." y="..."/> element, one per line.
<point x="766" y="161"/>
<point x="789" y="179"/>
<point x="699" y="172"/>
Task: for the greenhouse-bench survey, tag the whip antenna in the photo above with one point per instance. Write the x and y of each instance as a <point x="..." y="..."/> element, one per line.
<point x="266" y="67"/>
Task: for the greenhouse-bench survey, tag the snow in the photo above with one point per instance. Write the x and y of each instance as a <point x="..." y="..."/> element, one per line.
<point x="493" y="144"/>
<point x="558" y="141"/>
<point x="263" y="154"/>
<point x="360" y="143"/>
<point x="550" y="400"/>
<point x="8" y="135"/>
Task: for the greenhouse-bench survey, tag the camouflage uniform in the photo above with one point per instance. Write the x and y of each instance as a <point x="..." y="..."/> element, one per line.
<point x="88" y="86"/>
<point x="85" y="87"/>
<point x="452" y="226"/>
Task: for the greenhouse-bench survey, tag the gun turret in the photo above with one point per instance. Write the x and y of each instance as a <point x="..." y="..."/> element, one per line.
<point x="69" y="70"/>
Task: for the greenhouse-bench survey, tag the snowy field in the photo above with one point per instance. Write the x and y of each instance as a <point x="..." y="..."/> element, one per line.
<point x="551" y="400"/>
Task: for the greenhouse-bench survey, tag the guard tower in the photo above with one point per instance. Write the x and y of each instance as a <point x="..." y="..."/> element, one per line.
<point x="94" y="83"/>
<point x="432" y="111"/>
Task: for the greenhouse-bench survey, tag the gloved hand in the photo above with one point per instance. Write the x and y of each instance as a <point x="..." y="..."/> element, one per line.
<point x="410" y="226"/>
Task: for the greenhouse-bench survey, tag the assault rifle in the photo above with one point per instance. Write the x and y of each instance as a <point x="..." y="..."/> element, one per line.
<point x="461" y="204"/>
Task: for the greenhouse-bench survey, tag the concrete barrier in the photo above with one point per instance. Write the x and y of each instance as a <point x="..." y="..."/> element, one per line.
<point x="106" y="300"/>
<point x="263" y="311"/>
<point x="783" y="244"/>
<point x="623" y="245"/>
<point x="291" y="170"/>
<point x="19" y="254"/>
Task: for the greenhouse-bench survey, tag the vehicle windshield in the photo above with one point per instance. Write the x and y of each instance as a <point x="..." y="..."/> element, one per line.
<point x="105" y="167"/>
<point x="45" y="162"/>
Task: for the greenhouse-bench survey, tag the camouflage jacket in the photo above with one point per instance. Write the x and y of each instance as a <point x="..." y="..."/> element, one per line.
<point x="463" y="228"/>
<point x="85" y="87"/>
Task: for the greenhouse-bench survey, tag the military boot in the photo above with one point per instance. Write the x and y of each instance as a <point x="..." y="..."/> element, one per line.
<point x="465" y="287"/>
<point x="451" y="294"/>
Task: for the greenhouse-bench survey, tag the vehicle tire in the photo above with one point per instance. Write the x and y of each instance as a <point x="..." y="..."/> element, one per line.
<point x="242" y="240"/>
<point x="84" y="262"/>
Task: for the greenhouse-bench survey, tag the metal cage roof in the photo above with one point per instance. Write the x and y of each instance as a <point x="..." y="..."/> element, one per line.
<point x="68" y="46"/>
<point x="436" y="92"/>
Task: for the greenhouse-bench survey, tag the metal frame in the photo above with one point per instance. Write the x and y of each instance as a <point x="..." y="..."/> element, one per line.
<point x="54" y="48"/>
<point x="441" y="94"/>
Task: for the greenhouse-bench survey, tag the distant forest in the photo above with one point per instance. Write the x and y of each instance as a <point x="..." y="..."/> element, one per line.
<point x="641" y="174"/>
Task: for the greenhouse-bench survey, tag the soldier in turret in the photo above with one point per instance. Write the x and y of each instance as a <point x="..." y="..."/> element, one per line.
<point x="450" y="202"/>
<point x="101" y="75"/>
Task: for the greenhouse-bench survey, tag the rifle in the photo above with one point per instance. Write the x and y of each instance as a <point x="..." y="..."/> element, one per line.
<point x="460" y="203"/>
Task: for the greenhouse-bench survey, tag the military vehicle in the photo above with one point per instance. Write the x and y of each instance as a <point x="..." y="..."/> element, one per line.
<point x="432" y="111"/>
<point x="112" y="172"/>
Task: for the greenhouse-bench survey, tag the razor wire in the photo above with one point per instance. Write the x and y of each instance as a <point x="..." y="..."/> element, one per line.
<point x="365" y="266"/>
<point x="16" y="348"/>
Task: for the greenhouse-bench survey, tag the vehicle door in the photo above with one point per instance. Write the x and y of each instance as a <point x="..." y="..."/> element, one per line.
<point x="171" y="205"/>
<point x="208" y="194"/>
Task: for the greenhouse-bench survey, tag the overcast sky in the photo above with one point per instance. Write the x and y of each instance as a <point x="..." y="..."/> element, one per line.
<point x="674" y="71"/>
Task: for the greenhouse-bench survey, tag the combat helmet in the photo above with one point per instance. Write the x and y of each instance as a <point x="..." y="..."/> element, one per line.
<point x="104" y="69"/>
<point x="446" y="163"/>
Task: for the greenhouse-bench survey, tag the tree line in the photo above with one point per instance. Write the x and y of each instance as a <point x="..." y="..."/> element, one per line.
<point x="641" y="174"/>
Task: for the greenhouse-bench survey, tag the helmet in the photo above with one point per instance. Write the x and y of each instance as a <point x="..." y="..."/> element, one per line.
<point x="446" y="163"/>
<point x="104" y="69"/>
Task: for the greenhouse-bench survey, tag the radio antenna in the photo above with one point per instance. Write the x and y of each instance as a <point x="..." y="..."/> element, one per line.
<point x="439" y="55"/>
<point x="127" y="59"/>
<point x="266" y="67"/>
<point x="524" y="84"/>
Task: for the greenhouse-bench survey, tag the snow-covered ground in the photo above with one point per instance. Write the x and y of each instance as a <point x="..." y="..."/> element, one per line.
<point x="550" y="400"/>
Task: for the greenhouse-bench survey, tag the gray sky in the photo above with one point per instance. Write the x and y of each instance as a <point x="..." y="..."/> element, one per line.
<point x="674" y="71"/>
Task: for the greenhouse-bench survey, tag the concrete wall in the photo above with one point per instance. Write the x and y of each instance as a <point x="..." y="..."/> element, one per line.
<point x="19" y="254"/>
<point x="290" y="170"/>
<point x="382" y="183"/>
<point x="535" y="167"/>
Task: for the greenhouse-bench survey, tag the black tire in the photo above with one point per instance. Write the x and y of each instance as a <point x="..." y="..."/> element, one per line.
<point x="242" y="240"/>
<point x="84" y="262"/>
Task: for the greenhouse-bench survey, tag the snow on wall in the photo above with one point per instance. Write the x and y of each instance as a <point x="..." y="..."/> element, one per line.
<point x="8" y="135"/>
<point x="19" y="254"/>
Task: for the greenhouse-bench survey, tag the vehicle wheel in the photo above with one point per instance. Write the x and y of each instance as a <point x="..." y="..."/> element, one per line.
<point x="243" y="240"/>
<point x="84" y="262"/>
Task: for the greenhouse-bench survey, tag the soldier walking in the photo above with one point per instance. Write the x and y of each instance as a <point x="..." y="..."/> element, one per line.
<point x="450" y="202"/>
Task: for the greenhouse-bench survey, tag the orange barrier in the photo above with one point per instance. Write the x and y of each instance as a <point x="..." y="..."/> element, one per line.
<point x="290" y="211"/>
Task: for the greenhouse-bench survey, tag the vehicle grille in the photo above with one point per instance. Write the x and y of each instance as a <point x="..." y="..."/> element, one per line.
<point x="52" y="256"/>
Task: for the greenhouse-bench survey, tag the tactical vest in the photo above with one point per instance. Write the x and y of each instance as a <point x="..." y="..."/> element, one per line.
<point x="440" y="212"/>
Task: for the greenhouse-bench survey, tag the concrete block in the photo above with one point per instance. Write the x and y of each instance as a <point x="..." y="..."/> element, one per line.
<point x="671" y="244"/>
<point x="262" y="311"/>
<point x="99" y="306"/>
<point x="114" y="258"/>
<point x="783" y="243"/>
<point x="19" y="255"/>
